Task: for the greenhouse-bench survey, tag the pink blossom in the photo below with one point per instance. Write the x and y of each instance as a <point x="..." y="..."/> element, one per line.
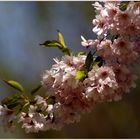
<point x="123" y="49"/>
<point x="41" y="102"/>
<point x="63" y="73"/>
<point x="7" y="116"/>
<point x="125" y="78"/>
<point x="137" y="46"/>
<point x="111" y="10"/>
<point x="89" y="43"/>
<point x="101" y="84"/>
<point x="105" y="49"/>
<point x="100" y="25"/>
<point x="32" y="121"/>
<point x="134" y="7"/>
<point x="98" y="7"/>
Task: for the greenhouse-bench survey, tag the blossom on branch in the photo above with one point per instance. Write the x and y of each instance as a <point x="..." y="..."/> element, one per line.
<point x="77" y="82"/>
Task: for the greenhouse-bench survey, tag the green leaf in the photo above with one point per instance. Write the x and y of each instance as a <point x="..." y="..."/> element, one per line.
<point x="56" y="44"/>
<point x="12" y="105"/>
<point x="15" y="85"/>
<point x="98" y="60"/>
<point x="79" y="53"/>
<point x="6" y="100"/>
<point x="123" y="5"/>
<point x="10" y="102"/>
<point x="36" y="89"/>
<point x="15" y="102"/>
<point x="89" y="61"/>
<point x="59" y="43"/>
<point x="80" y="75"/>
<point x="66" y="51"/>
<point x="60" y="39"/>
<point x="52" y="43"/>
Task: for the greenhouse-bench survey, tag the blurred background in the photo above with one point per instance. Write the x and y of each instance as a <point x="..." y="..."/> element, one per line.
<point x="23" y="26"/>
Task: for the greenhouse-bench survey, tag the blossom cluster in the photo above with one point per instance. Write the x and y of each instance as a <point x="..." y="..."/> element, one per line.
<point x="76" y="83"/>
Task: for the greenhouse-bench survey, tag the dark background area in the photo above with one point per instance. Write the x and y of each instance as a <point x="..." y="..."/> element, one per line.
<point x="23" y="26"/>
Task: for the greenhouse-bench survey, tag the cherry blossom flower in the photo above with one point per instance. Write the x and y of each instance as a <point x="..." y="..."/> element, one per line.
<point x="105" y="49"/>
<point x="98" y="7"/>
<point x="100" y="25"/>
<point x="123" y="49"/>
<point x="32" y="123"/>
<point x="89" y="43"/>
<point x="125" y="78"/>
<point x="101" y="83"/>
<point x="41" y="102"/>
<point x="7" y="117"/>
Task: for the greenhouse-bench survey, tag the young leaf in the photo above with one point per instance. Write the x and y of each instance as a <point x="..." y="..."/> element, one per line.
<point x="66" y="51"/>
<point x="79" y="53"/>
<point x="36" y="89"/>
<point x="80" y="75"/>
<point x="60" y="39"/>
<point x="123" y="5"/>
<point x="10" y="102"/>
<point x="6" y="100"/>
<point x="89" y="61"/>
<point x="55" y="43"/>
<point x="52" y="43"/>
<point x="98" y="61"/>
<point x="12" y="105"/>
<point x="15" y="85"/>
<point x="15" y="101"/>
